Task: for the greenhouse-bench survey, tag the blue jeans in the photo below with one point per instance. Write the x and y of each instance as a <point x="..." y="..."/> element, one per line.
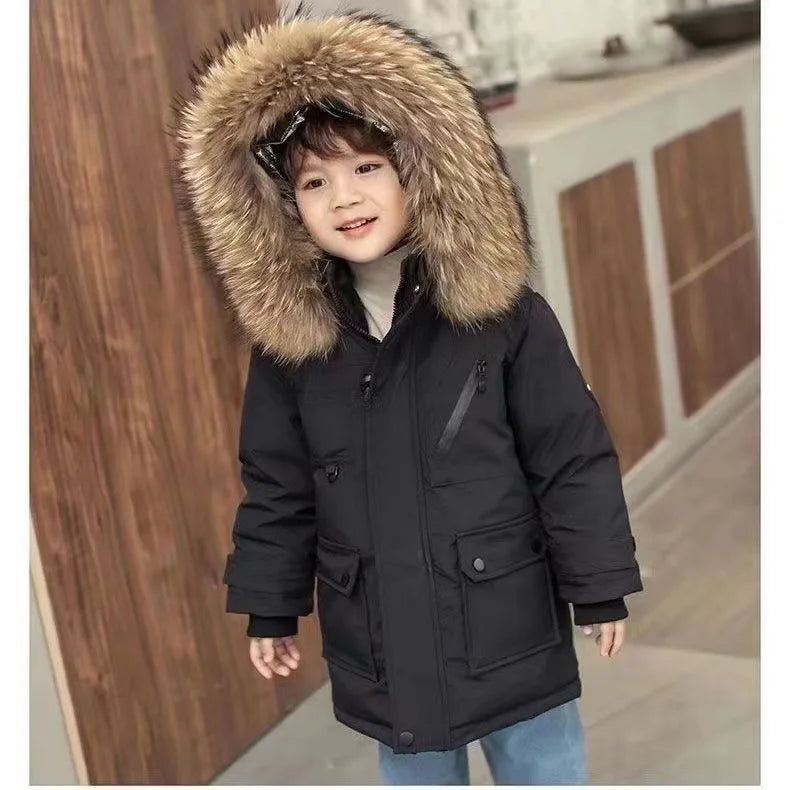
<point x="548" y="749"/>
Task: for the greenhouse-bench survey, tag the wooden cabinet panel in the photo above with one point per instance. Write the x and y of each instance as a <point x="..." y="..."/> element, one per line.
<point x="136" y="387"/>
<point x="717" y="325"/>
<point x="711" y="255"/>
<point x="605" y="257"/>
<point x="703" y="189"/>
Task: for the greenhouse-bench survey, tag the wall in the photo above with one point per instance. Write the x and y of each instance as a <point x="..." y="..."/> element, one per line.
<point x="51" y="761"/>
<point x="136" y="380"/>
<point x="544" y="30"/>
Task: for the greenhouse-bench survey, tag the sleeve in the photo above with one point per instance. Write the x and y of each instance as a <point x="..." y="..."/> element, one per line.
<point x="271" y="626"/>
<point x="570" y="463"/>
<point x="270" y="574"/>
<point x="601" y="612"/>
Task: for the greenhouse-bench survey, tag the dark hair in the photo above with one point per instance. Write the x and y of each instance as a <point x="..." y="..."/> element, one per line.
<point x="318" y="133"/>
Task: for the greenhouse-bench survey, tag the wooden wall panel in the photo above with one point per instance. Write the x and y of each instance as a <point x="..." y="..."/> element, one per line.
<point x="605" y="257"/>
<point x="136" y="387"/>
<point x="711" y="255"/>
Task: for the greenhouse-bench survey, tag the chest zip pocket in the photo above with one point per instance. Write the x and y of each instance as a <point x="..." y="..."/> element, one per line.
<point x="475" y="384"/>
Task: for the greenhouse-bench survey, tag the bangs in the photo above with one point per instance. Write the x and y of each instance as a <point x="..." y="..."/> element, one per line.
<point x="321" y="133"/>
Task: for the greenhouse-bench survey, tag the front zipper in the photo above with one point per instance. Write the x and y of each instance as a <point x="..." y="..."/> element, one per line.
<point x="425" y="543"/>
<point x="475" y="383"/>
<point x="366" y="385"/>
<point x="349" y="321"/>
<point x="366" y="382"/>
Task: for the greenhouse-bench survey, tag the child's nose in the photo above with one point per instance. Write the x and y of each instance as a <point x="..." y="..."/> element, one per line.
<point x="345" y="196"/>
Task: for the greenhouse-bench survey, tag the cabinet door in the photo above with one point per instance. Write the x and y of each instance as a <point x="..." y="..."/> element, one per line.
<point x="711" y="255"/>
<point x="604" y="253"/>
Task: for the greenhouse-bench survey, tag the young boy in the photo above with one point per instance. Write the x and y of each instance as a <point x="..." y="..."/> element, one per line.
<point x="415" y="432"/>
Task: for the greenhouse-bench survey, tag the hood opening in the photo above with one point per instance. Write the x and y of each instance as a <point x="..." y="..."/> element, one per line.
<point x="468" y="220"/>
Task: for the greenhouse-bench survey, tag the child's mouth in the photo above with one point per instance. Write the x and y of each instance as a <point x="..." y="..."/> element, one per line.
<point x="361" y="230"/>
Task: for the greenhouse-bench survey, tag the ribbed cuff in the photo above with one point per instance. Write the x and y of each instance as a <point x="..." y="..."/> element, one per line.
<point x="599" y="612"/>
<point x="271" y="626"/>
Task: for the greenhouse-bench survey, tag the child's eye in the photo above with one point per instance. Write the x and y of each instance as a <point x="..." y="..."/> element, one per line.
<point x="374" y="165"/>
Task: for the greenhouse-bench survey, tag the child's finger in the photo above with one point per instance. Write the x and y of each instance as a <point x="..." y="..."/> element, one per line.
<point x="607" y="632"/>
<point x="285" y="656"/>
<point x="276" y="664"/>
<point x="257" y="659"/>
<point x="270" y="658"/>
<point x="292" y="649"/>
<point x="267" y="649"/>
<point x="619" y="637"/>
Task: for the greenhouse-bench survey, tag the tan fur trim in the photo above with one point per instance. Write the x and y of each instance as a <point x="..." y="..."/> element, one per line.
<point x="468" y="218"/>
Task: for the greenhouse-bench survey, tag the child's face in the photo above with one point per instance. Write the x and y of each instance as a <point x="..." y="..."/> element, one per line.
<point x="333" y="192"/>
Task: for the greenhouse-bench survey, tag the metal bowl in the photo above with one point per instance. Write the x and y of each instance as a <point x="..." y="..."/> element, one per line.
<point x="717" y="25"/>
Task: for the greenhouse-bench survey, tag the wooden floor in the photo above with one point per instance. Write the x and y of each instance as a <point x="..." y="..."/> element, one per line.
<point x="680" y="703"/>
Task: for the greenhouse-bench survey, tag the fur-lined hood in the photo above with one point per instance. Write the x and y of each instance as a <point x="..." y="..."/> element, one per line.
<point x="467" y="216"/>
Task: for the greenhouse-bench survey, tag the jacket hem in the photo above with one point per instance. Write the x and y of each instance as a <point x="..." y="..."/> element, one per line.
<point x="461" y="736"/>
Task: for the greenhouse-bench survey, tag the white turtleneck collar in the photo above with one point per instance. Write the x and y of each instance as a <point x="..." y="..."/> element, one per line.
<point x="381" y="272"/>
<point x="376" y="283"/>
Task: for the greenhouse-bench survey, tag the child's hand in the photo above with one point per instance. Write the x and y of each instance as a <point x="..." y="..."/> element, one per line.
<point x="610" y="638"/>
<point x="274" y="654"/>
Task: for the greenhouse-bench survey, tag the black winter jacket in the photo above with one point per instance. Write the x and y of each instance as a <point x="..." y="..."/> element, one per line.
<point x="443" y="494"/>
<point x="350" y="306"/>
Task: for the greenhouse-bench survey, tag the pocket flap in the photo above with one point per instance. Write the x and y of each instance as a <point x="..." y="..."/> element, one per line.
<point x="337" y="565"/>
<point x="488" y="552"/>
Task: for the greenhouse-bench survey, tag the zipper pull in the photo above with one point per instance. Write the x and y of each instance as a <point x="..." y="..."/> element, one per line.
<point x="367" y="381"/>
<point x="481" y="375"/>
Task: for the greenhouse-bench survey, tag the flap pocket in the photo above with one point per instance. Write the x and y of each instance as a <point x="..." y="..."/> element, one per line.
<point x="510" y="611"/>
<point x="487" y="552"/>
<point x="337" y="565"/>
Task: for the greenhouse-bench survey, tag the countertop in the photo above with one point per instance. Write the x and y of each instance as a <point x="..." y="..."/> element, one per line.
<point x="545" y="106"/>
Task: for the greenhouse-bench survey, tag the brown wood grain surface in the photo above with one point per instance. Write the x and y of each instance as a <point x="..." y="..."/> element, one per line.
<point x="703" y="190"/>
<point x="711" y="254"/>
<point x="605" y="257"/>
<point x="717" y="325"/>
<point x="136" y="386"/>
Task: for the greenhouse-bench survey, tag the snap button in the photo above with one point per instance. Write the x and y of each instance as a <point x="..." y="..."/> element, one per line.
<point x="344" y="578"/>
<point x="332" y="472"/>
<point x="478" y="564"/>
<point x="406" y="738"/>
